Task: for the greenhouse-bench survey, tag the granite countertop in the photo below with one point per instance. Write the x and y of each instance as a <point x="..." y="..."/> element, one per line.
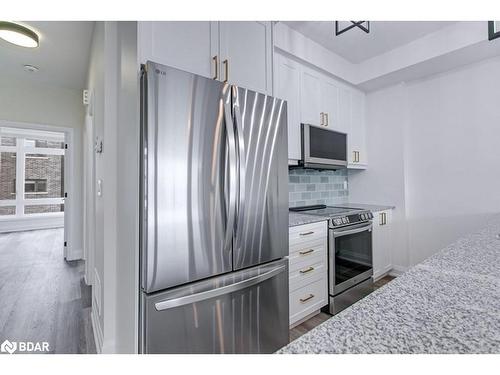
<point x="295" y="218"/>
<point x="371" y="207"/>
<point x="450" y="303"/>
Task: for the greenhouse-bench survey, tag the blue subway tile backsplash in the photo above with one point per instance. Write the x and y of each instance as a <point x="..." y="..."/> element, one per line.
<point x="309" y="186"/>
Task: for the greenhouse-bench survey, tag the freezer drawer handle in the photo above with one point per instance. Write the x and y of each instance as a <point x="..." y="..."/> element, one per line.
<point x="306" y="252"/>
<point x="306" y="233"/>
<point x="307" y="298"/>
<point x="192" y="298"/>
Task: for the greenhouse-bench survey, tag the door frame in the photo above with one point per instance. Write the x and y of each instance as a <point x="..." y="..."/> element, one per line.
<point x="69" y="213"/>
<point x="89" y="200"/>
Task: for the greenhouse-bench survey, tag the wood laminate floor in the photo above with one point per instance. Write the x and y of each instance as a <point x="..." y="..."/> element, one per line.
<point x="316" y="320"/>
<point x="42" y="296"/>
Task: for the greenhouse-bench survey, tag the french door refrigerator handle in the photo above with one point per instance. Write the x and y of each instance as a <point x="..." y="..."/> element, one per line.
<point x="193" y="298"/>
<point x="241" y="158"/>
<point x="233" y="180"/>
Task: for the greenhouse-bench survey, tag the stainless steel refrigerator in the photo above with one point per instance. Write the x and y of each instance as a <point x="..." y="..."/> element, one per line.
<point x="214" y="216"/>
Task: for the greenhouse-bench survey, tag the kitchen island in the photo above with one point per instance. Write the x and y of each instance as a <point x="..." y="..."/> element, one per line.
<point x="450" y="303"/>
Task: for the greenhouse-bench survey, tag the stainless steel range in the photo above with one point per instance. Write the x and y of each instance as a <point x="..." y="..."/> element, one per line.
<point x="350" y="260"/>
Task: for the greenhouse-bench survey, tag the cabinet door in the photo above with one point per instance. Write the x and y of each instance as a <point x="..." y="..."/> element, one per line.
<point x="357" y="135"/>
<point x="190" y="46"/>
<point x="287" y="86"/>
<point x="246" y="54"/>
<point x="310" y="97"/>
<point x="345" y="100"/>
<point x="382" y="243"/>
<point x="330" y="104"/>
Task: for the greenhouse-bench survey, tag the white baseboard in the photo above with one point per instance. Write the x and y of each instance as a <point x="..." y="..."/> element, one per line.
<point x="397" y="271"/>
<point x="96" y="328"/>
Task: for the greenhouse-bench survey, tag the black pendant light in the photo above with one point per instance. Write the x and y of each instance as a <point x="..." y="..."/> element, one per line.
<point x="363" y="25"/>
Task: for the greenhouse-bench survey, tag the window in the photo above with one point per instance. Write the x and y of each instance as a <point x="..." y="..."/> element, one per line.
<point x="31" y="172"/>
<point x="35" y="186"/>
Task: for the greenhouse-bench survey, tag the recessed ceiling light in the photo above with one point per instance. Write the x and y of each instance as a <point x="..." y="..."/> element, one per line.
<point x="31" y="68"/>
<point x="18" y="35"/>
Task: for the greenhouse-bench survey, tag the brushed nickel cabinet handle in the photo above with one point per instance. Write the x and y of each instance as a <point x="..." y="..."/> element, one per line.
<point x="385" y="218"/>
<point x="322" y="118"/>
<point x="307" y="298"/>
<point x="307" y="270"/>
<point x="306" y="233"/>
<point x="381" y="218"/>
<point x="327" y="119"/>
<point x="216" y="64"/>
<point x="306" y="252"/>
<point x="226" y="69"/>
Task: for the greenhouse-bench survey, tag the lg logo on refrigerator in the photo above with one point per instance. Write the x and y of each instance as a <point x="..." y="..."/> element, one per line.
<point x="24" y="346"/>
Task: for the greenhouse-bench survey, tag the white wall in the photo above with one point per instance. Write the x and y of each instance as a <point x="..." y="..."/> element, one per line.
<point x="25" y="101"/>
<point x="453" y="155"/>
<point x="95" y="84"/>
<point x="434" y="153"/>
<point x="114" y="81"/>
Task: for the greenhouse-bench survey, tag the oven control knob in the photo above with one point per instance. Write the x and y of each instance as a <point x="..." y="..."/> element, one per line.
<point x="363" y="217"/>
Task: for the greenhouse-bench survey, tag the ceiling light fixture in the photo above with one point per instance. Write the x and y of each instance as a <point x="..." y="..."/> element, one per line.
<point x="31" y="68"/>
<point x="18" y="35"/>
<point x="363" y="25"/>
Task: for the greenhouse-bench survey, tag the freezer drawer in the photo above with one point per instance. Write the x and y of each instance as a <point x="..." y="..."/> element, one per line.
<point x="241" y="312"/>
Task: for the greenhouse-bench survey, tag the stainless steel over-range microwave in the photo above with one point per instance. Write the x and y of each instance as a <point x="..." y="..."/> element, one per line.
<point x="323" y="148"/>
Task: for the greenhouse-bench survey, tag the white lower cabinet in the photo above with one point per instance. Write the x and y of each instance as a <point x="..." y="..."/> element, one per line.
<point x="308" y="270"/>
<point x="382" y="243"/>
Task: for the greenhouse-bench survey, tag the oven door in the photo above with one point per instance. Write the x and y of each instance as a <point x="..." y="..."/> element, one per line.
<point x="349" y="256"/>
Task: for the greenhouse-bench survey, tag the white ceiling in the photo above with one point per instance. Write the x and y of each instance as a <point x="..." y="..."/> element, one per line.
<point x="62" y="56"/>
<point x="356" y="46"/>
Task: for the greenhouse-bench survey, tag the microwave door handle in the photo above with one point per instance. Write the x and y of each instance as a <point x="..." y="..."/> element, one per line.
<point x="231" y="165"/>
<point x="212" y="293"/>
<point x="346" y="232"/>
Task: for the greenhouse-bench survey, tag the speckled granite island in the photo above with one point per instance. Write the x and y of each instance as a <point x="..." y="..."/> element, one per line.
<point x="450" y="303"/>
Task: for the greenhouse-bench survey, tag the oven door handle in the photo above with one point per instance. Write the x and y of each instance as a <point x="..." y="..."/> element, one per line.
<point x="346" y="232"/>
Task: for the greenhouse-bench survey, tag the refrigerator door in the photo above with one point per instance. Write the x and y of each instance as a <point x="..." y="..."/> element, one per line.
<point x="262" y="220"/>
<point x="241" y="312"/>
<point x="188" y="167"/>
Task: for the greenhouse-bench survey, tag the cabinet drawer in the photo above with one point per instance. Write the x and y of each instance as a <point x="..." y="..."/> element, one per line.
<point x="307" y="232"/>
<point x="303" y="276"/>
<point x="307" y="250"/>
<point x="307" y="299"/>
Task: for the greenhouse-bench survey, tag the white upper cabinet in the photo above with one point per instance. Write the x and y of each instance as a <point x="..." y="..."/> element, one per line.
<point x="246" y="54"/>
<point x="287" y="87"/>
<point x="357" y="136"/>
<point x="190" y="46"/>
<point x="330" y="104"/>
<point x="310" y="97"/>
<point x="239" y="52"/>
<point x="345" y="103"/>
